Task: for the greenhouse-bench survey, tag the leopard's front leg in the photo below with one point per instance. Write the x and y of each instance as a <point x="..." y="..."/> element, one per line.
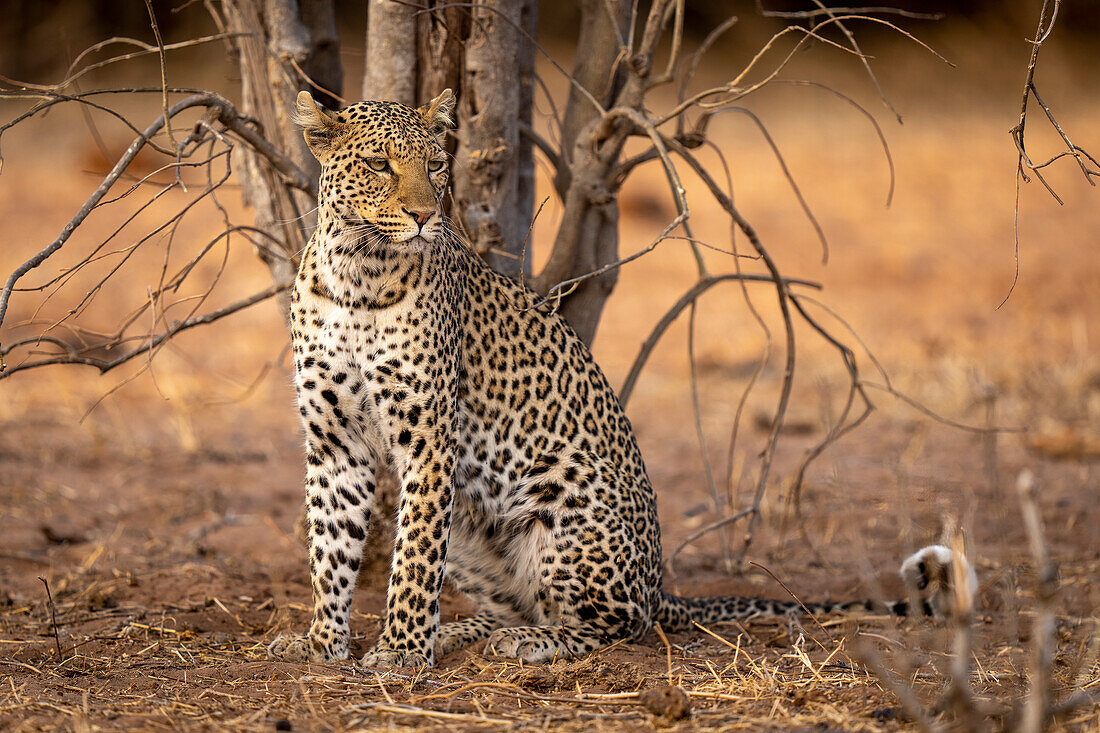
<point x="420" y="546"/>
<point x="340" y="486"/>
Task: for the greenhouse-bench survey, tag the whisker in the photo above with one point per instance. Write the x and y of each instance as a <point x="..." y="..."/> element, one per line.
<point x="298" y="218"/>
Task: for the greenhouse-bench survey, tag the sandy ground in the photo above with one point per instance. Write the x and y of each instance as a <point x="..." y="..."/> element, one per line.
<point x="163" y="519"/>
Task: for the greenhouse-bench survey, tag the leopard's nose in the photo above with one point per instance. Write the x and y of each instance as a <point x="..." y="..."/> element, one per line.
<point x="420" y="215"/>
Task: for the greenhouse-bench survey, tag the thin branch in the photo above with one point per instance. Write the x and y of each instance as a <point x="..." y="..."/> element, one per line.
<point x="147" y="50"/>
<point x="545" y="146"/>
<point x="733" y="89"/>
<point x="91" y="203"/>
<point x="821" y="10"/>
<point x="796" y="600"/>
<point x="696" y="290"/>
<point x="958" y="697"/>
<point x="863" y="111"/>
<point x="1024" y="162"/>
<point x="674" y="53"/>
<point x="697" y="56"/>
<point x="723" y="522"/>
<point x="862" y="58"/>
<point x="700" y="433"/>
<point x="939" y="418"/>
<point x="163" y="70"/>
<point x="785" y="170"/>
<point x="227" y="115"/>
<point x="55" y="98"/>
<point x="783" y="297"/>
<point x="840" y="426"/>
<point x="904" y="694"/>
<point x="104" y="365"/>
<point x="1036" y="709"/>
<point x="555" y="292"/>
<point x="53" y="619"/>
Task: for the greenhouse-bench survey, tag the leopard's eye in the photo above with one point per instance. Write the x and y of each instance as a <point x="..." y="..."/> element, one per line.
<point x="378" y="164"/>
<point x="436" y="165"/>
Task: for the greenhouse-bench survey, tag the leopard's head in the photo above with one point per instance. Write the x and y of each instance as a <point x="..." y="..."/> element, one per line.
<point x="383" y="165"/>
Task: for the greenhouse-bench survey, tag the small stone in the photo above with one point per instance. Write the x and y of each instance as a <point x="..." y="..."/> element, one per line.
<point x="667" y="702"/>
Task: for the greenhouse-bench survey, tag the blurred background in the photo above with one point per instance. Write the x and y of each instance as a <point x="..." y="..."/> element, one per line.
<point x="195" y="456"/>
<point x="977" y="294"/>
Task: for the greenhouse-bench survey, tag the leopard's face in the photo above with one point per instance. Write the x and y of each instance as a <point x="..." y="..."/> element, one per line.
<point x="383" y="166"/>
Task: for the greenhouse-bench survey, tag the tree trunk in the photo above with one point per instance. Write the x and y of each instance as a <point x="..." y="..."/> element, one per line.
<point x="441" y="56"/>
<point x="588" y="237"/>
<point x="485" y="55"/>
<point x="280" y="41"/>
<point x="494" y="168"/>
<point x="390" y="64"/>
<point x="525" y="173"/>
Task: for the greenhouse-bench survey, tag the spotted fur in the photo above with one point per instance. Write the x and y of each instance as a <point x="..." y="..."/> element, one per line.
<point x="520" y="475"/>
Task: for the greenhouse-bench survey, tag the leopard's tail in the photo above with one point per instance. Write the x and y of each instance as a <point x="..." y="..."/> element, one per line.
<point x="928" y="576"/>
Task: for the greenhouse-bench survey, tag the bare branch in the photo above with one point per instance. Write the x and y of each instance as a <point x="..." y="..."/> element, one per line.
<point x="163" y="71"/>
<point x="782" y="166"/>
<point x="841" y="426"/>
<point x="545" y="147"/>
<point x="783" y="297"/>
<point x="862" y="110"/>
<point x="147" y="50"/>
<point x="723" y="522"/>
<point x="226" y="114"/>
<point x="862" y="57"/>
<point x="700" y="433"/>
<point x="1024" y="162"/>
<point x="692" y="64"/>
<point x="821" y="10"/>
<point x="674" y="312"/>
<point x="733" y="89"/>
<point x="939" y="418"/>
<point x="90" y="204"/>
<point x="104" y="365"/>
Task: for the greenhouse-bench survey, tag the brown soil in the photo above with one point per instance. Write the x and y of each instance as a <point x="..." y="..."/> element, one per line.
<point x="164" y="521"/>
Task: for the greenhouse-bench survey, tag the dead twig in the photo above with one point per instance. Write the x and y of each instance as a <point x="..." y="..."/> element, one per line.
<point x="53" y="619"/>
<point x="218" y="110"/>
<point x="674" y="312"/>
<point x="796" y="600"/>
<point x="723" y="522"/>
<point x="163" y="72"/>
<point x="903" y="692"/>
<point x="1024" y="163"/>
<point x="1037" y="708"/>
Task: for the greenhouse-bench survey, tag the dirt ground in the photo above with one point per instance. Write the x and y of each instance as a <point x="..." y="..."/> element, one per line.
<point x="163" y="519"/>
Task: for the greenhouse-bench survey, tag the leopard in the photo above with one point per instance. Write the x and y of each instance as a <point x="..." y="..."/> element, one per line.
<point x="521" y="480"/>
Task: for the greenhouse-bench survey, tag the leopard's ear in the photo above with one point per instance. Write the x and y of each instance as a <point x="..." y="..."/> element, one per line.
<point x="437" y="113"/>
<point x="322" y="131"/>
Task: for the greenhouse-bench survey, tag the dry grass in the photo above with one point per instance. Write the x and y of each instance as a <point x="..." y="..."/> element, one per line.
<point x="145" y="667"/>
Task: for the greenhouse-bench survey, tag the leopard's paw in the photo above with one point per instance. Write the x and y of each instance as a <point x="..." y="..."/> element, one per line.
<point x="445" y="642"/>
<point x="531" y="644"/>
<point x="290" y="648"/>
<point x="298" y="648"/>
<point x="385" y="658"/>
